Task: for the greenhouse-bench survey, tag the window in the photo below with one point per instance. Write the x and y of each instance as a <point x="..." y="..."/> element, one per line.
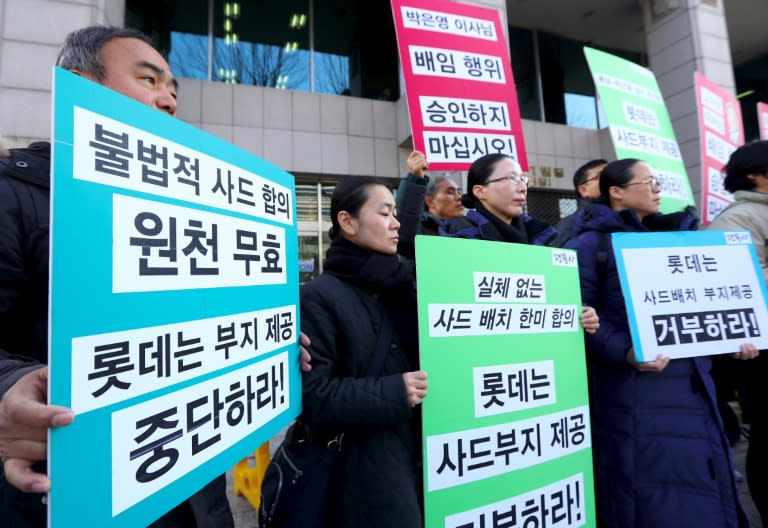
<point x="566" y="93"/>
<point x="328" y="46"/>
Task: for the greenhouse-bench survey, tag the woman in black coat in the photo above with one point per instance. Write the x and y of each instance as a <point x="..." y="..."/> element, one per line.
<point x="357" y="386"/>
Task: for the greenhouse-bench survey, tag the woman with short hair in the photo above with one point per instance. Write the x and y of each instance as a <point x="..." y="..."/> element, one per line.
<point x="361" y="392"/>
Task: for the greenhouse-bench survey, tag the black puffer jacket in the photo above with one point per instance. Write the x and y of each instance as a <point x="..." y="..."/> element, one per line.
<point x="24" y="223"/>
<point x="24" y="232"/>
<point x="378" y="482"/>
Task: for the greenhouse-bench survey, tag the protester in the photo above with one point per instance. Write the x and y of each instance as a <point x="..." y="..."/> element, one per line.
<point x="496" y="197"/>
<point x="424" y="202"/>
<point x="661" y="457"/>
<point x="365" y="290"/>
<point x="746" y="176"/>
<point x="586" y="182"/>
<point x="125" y="61"/>
<point x="442" y="198"/>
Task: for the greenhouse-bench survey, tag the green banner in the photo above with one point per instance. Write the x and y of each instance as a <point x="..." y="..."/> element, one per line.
<point x="506" y="421"/>
<point x="639" y="123"/>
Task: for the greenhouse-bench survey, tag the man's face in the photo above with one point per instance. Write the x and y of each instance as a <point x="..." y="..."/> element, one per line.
<point x="136" y="69"/>
<point x="446" y="203"/>
<point x="591" y="186"/>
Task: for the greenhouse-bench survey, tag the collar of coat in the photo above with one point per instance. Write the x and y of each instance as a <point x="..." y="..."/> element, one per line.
<point x="750" y="196"/>
<point x="474" y="225"/>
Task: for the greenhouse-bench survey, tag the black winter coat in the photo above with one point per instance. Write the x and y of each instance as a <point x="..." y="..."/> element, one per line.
<point x="378" y="483"/>
<point x="24" y="233"/>
<point x="24" y="225"/>
<point x="660" y="455"/>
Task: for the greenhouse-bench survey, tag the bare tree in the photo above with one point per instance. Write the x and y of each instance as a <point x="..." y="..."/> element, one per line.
<point x="332" y="73"/>
<point x="189" y="55"/>
<point x="263" y="64"/>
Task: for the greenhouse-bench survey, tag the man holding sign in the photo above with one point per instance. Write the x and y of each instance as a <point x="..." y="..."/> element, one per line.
<point x="125" y="61"/>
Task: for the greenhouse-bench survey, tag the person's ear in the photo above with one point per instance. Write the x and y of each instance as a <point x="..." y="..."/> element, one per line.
<point x="616" y="192"/>
<point x="480" y="191"/>
<point x="347" y="223"/>
<point x="86" y="75"/>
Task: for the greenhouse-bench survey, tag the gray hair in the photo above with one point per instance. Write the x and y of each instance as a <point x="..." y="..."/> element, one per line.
<point x="81" y="48"/>
<point x="433" y="183"/>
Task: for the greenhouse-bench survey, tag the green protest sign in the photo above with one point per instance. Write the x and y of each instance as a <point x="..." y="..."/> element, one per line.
<point x="639" y="123"/>
<point x="506" y="421"/>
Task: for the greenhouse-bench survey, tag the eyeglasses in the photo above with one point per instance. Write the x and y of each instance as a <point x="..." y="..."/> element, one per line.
<point x="516" y="179"/>
<point x="593" y="178"/>
<point x="652" y="182"/>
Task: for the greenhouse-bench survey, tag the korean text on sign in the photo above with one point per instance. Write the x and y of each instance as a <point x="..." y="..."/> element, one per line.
<point x="166" y="247"/>
<point x="452" y="320"/>
<point x="505" y="388"/>
<point x="112" y="153"/>
<point x="161" y="440"/>
<point x="476" y="454"/>
<point x="559" y="505"/>
<point x="118" y="366"/>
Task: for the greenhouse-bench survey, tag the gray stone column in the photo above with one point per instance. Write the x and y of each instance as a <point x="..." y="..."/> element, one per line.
<point x="683" y="36"/>
<point x="30" y="35"/>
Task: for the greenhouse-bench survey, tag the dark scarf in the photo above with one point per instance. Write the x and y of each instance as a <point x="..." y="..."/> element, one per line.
<point x="372" y="271"/>
<point x="513" y="232"/>
<point x="385" y="276"/>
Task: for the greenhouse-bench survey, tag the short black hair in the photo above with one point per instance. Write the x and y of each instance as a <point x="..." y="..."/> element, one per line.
<point x="350" y="195"/>
<point x="616" y="174"/>
<point x="751" y="158"/>
<point x="82" y="47"/>
<point x="580" y="176"/>
<point x="479" y="172"/>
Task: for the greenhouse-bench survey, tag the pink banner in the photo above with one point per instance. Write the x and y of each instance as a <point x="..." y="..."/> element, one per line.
<point x="721" y="132"/>
<point x="458" y="82"/>
<point x="762" y="118"/>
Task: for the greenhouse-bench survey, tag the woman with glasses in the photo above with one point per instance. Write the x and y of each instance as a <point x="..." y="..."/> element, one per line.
<point x="661" y="457"/>
<point x="496" y="198"/>
<point x="496" y="201"/>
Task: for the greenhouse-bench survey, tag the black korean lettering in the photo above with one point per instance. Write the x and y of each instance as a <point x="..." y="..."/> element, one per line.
<point x="112" y="152"/>
<point x="150" y="225"/>
<point x="109" y="361"/>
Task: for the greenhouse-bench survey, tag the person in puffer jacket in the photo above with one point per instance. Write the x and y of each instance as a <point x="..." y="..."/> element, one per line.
<point x="661" y="457"/>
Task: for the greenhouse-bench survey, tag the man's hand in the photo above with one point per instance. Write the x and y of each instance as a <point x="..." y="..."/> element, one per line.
<point x="415" y="386"/>
<point x="417" y="164"/>
<point x="24" y="421"/>
<point x="304" y="358"/>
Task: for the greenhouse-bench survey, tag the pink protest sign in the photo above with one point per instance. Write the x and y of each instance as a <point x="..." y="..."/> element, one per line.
<point x="458" y="81"/>
<point x="721" y="132"/>
<point x="762" y="118"/>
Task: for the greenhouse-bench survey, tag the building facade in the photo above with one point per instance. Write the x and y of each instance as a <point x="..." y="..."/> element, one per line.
<point x="314" y="86"/>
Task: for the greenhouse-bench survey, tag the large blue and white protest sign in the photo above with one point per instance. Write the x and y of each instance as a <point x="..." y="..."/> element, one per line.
<point x="691" y="293"/>
<point x="173" y="317"/>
